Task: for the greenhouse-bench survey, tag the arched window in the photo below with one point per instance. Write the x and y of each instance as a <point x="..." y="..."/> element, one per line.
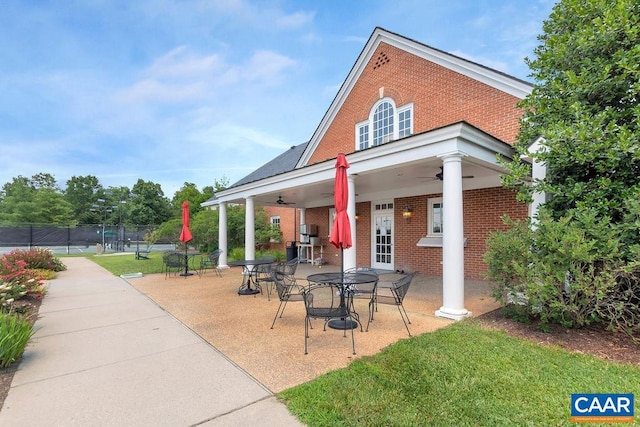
<point x="386" y="123"/>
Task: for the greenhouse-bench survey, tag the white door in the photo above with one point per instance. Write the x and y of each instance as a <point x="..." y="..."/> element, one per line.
<point x="382" y="236"/>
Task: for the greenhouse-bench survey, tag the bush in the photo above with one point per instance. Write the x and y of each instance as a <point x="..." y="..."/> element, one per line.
<point x="36" y="258"/>
<point x="569" y="271"/>
<point x="15" y="333"/>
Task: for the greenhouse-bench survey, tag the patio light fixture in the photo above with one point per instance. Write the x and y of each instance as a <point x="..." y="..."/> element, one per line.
<point x="407" y="213"/>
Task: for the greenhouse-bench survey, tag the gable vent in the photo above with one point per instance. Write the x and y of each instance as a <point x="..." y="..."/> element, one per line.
<point x="381" y="60"/>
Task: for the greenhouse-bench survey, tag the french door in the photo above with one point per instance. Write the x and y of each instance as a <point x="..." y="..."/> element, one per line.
<point x="382" y="236"/>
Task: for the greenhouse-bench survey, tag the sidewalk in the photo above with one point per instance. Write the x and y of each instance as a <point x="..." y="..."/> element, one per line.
<point x="105" y="354"/>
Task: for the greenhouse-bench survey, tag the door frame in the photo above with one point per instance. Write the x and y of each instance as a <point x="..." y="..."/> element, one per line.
<point x="386" y="208"/>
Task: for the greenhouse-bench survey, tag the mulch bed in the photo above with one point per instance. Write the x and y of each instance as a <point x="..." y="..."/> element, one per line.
<point x="595" y="340"/>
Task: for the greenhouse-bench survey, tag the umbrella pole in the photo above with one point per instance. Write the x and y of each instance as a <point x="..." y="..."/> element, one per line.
<point x="186" y="260"/>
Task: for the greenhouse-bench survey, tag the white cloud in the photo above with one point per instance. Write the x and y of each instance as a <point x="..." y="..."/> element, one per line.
<point x="267" y="67"/>
<point x="294" y="20"/>
<point x="181" y="63"/>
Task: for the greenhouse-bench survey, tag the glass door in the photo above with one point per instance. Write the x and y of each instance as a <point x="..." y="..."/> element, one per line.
<point x="383" y="239"/>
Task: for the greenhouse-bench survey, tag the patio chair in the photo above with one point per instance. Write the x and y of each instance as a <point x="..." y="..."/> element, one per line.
<point x="288" y="290"/>
<point x="172" y="261"/>
<point x="210" y="261"/>
<point x="322" y="301"/>
<point x="264" y="273"/>
<point x="395" y="294"/>
<point x="366" y="290"/>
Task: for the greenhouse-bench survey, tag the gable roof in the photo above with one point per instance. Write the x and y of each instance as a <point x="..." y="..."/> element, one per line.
<point x="285" y="162"/>
<point x="481" y="73"/>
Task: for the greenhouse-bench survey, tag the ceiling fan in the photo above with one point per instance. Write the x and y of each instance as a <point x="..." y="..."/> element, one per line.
<point x="280" y="201"/>
<point x="440" y="176"/>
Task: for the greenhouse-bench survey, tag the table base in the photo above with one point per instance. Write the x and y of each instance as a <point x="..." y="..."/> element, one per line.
<point x="342" y="324"/>
<point x="248" y="291"/>
<point x="186" y="274"/>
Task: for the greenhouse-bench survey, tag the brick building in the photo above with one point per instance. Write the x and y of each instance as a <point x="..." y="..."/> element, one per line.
<point x="422" y="130"/>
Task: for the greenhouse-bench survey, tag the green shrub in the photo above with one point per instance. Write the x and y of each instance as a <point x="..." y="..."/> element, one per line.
<point x="236" y="254"/>
<point x="15" y="333"/>
<point x="570" y="271"/>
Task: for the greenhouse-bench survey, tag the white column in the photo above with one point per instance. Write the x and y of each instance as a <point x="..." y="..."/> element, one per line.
<point x="222" y="235"/>
<point x="452" y="240"/>
<point x="350" y="260"/>
<point x="249" y="229"/>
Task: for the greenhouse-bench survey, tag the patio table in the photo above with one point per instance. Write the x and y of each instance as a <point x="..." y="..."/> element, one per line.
<point x="250" y="275"/>
<point x="346" y="282"/>
<point x="188" y="256"/>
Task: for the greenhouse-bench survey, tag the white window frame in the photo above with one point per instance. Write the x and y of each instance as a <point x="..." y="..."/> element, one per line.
<point x="361" y="145"/>
<point x="431" y="216"/>
<point x="275" y="220"/>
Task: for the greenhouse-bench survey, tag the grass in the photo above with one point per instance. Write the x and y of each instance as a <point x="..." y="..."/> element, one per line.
<point x="127" y="263"/>
<point x="14" y="335"/>
<point x="461" y="375"/>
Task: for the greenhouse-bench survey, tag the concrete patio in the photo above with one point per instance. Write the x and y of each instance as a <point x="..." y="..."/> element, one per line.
<point x="239" y="325"/>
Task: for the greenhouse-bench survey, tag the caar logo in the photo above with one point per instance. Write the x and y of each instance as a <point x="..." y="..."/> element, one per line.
<point x="602" y="408"/>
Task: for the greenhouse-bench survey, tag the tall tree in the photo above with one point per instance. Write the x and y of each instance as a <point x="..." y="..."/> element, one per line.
<point x="586" y="107"/>
<point x="149" y="206"/>
<point x="190" y="193"/>
<point x="82" y="192"/>
<point x="34" y="200"/>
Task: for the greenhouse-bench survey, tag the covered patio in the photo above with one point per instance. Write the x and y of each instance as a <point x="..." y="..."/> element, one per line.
<point x="239" y="325"/>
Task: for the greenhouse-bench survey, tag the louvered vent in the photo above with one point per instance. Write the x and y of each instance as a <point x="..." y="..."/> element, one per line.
<point x="381" y="60"/>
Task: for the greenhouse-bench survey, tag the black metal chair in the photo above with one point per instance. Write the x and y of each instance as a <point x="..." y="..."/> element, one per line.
<point x="210" y="261"/>
<point x="264" y="273"/>
<point x="287" y="288"/>
<point x="322" y="301"/>
<point x="394" y="295"/>
<point x="367" y="290"/>
<point x="291" y="266"/>
<point x="172" y="261"/>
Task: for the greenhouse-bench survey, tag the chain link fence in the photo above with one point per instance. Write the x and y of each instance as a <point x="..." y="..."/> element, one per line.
<point x="75" y="239"/>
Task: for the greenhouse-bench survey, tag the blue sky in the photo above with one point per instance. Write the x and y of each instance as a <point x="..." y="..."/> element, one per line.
<point x="175" y="91"/>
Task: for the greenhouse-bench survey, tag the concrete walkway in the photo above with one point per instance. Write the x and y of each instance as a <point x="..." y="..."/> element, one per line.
<point x="106" y="355"/>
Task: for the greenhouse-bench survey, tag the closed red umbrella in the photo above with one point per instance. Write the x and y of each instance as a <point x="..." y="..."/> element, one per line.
<point x="341" y="231"/>
<point x="185" y="236"/>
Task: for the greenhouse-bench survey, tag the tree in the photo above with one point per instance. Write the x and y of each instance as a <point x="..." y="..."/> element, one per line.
<point x="586" y="107"/>
<point x="580" y="264"/>
<point x="190" y="193"/>
<point x="149" y="206"/>
<point x="34" y="200"/>
<point x="82" y="193"/>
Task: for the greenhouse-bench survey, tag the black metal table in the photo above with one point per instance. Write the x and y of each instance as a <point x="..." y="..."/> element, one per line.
<point x="250" y="275"/>
<point x="345" y="281"/>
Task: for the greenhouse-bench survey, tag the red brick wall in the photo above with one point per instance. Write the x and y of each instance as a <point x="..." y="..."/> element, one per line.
<point x="286" y="225"/>
<point x="483" y="210"/>
<point x="440" y="97"/>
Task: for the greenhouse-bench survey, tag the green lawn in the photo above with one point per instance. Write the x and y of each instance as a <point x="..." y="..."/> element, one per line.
<point x="127" y="263"/>
<point x="462" y="375"/>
